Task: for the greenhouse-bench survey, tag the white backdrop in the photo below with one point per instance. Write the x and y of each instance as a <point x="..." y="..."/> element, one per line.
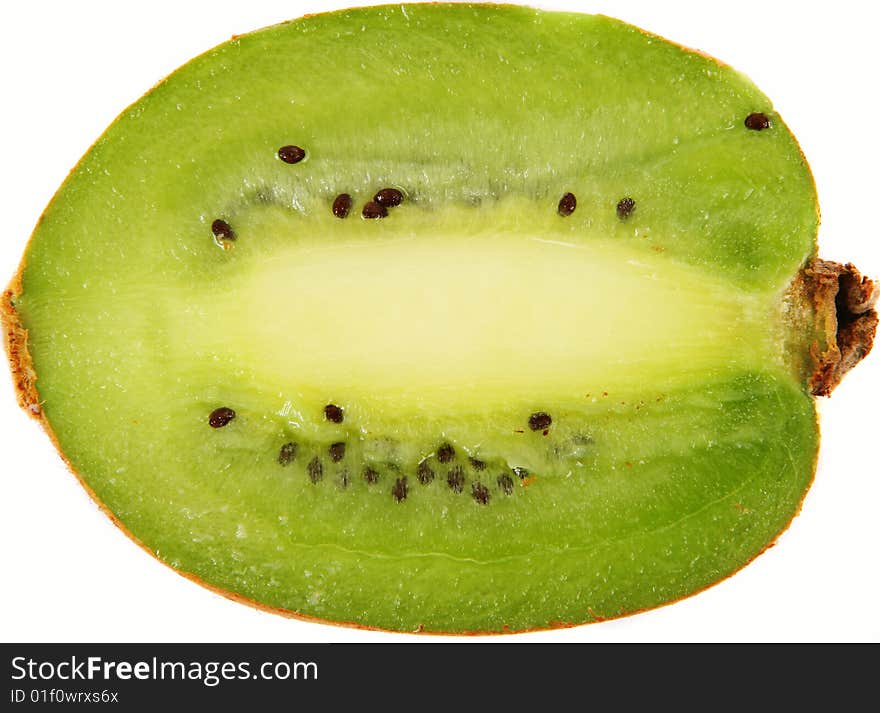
<point x="69" y="575"/>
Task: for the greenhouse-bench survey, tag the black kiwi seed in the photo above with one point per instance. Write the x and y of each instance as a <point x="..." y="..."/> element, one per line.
<point x="445" y="453"/>
<point x="291" y="154"/>
<point x="341" y="205"/>
<point x="480" y="493"/>
<point x="222" y="230"/>
<point x="344" y="478"/>
<point x="567" y="204"/>
<point x="425" y="473"/>
<point x="371" y="475"/>
<point x="388" y="197"/>
<point x="540" y="421"/>
<point x="287" y="453"/>
<point x="455" y="479"/>
<point x="374" y="210"/>
<point x="757" y="121"/>
<point x="505" y="482"/>
<point x="315" y="469"/>
<point x="220" y="417"/>
<point x="400" y="489"/>
<point x="333" y="413"/>
<point x="337" y="452"/>
<point x="477" y="464"/>
<point x="625" y="208"/>
<point x="520" y="473"/>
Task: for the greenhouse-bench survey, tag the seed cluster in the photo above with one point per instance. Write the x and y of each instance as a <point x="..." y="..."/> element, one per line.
<point x="387" y="198"/>
<point x="444" y="454"/>
<point x="384" y="199"/>
<point x="456" y="475"/>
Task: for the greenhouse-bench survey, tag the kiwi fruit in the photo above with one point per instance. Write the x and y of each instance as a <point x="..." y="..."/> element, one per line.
<point x="504" y="320"/>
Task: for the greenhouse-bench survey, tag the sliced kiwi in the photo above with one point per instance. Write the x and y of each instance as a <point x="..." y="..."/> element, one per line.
<point x="441" y="317"/>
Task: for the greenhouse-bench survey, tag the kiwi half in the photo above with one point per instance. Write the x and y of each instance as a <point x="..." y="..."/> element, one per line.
<point x="501" y="320"/>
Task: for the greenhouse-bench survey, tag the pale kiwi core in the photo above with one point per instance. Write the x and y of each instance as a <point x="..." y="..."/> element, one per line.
<point x="428" y="322"/>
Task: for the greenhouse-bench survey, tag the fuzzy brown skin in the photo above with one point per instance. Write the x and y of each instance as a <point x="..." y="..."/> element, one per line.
<point x="15" y="338"/>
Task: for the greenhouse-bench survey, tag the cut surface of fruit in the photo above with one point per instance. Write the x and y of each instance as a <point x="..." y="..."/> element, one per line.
<point x="522" y="334"/>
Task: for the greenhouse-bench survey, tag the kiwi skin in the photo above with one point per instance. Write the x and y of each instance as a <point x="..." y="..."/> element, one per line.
<point x="16" y="345"/>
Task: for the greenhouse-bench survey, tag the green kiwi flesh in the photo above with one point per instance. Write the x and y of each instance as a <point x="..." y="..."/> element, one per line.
<point x="484" y="411"/>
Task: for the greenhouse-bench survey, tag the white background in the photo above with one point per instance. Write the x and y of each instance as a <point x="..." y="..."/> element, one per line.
<point x="68" y="68"/>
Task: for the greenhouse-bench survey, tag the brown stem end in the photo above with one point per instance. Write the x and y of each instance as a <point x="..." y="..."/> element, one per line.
<point x="842" y="301"/>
